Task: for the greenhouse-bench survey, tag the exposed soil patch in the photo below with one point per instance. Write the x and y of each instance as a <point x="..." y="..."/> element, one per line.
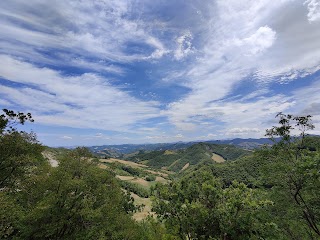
<point x="51" y="158"/>
<point x="125" y="178"/>
<point x="185" y="167"/>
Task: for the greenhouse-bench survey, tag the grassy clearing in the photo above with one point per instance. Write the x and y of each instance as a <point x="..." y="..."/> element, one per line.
<point x="146" y="211"/>
<point x="103" y="166"/>
<point x="142" y="182"/>
<point x="161" y="180"/>
<point x="131" y="164"/>
<point x="143" y="167"/>
<point x="217" y="158"/>
<point x="125" y="178"/>
<point x="168" y="152"/>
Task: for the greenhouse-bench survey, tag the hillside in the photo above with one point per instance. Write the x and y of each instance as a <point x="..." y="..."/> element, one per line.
<point x="176" y="160"/>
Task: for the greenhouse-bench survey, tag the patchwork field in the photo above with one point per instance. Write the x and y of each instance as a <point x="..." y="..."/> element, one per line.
<point x="141" y="177"/>
<point x="163" y="173"/>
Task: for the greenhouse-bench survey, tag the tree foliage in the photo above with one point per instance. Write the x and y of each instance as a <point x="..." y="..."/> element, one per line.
<point x="76" y="200"/>
<point x="199" y="207"/>
<point x="20" y="152"/>
<point x="295" y="172"/>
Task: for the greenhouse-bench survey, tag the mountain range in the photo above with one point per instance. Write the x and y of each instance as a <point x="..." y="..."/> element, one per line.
<point x="127" y="149"/>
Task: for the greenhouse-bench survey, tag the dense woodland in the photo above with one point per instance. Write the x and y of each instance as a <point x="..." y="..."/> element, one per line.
<point x="271" y="193"/>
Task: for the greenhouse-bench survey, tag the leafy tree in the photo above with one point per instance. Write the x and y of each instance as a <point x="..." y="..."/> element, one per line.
<point x="20" y="157"/>
<point x="9" y="119"/>
<point x="199" y="207"/>
<point x="295" y="172"/>
<point x="76" y="200"/>
<point x="20" y="152"/>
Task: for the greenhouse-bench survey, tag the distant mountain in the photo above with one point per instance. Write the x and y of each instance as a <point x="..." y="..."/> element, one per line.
<point x="249" y="143"/>
<point x="125" y="149"/>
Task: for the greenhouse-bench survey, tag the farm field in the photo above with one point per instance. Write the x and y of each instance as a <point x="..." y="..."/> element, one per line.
<point x="139" y="180"/>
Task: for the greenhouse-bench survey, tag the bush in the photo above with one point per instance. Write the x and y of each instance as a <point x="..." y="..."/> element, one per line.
<point x="150" y="178"/>
<point x="132" y="187"/>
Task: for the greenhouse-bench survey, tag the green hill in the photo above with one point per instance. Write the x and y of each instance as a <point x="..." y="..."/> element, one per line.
<point x="176" y="160"/>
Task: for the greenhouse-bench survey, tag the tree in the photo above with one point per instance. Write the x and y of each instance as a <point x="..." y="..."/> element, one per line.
<point x="295" y="169"/>
<point x="76" y="200"/>
<point x="20" y="157"/>
<point x="9" y="119"/>
<point x="20" y="152"/>
<point x="199" y="207"/>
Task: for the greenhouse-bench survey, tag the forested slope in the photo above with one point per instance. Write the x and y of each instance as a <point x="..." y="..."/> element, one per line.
<point x="195" y="154"/>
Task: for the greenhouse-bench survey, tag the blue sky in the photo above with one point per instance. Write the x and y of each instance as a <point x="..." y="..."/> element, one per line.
<point x="110" y="72"/>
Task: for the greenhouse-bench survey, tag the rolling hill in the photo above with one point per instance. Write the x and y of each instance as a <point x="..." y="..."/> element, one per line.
<point x="178" y="159"/>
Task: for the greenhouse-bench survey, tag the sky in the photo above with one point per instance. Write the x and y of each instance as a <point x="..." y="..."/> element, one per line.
<point x="115" y="71"/>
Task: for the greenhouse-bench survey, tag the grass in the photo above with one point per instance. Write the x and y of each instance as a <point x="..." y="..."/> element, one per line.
<point x="217" y="158"/>
<point x="146" y="210"/>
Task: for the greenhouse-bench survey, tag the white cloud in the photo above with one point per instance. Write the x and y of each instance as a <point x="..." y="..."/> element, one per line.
<point x="273" y="42"/>
<point x="84" y="101"/>
<point x="66" y="137"/>
<point x="184" y="48"/>
<point x="261" y="40"/>
<point x="159" y="51"/>
<point x="241" y="131"/>
<point x="178" y="135"/>
<point x="309" y="104"/>
<point x="314" y="10"/>
<point x="76" y="33"/>
<point x="99" y="135"/>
